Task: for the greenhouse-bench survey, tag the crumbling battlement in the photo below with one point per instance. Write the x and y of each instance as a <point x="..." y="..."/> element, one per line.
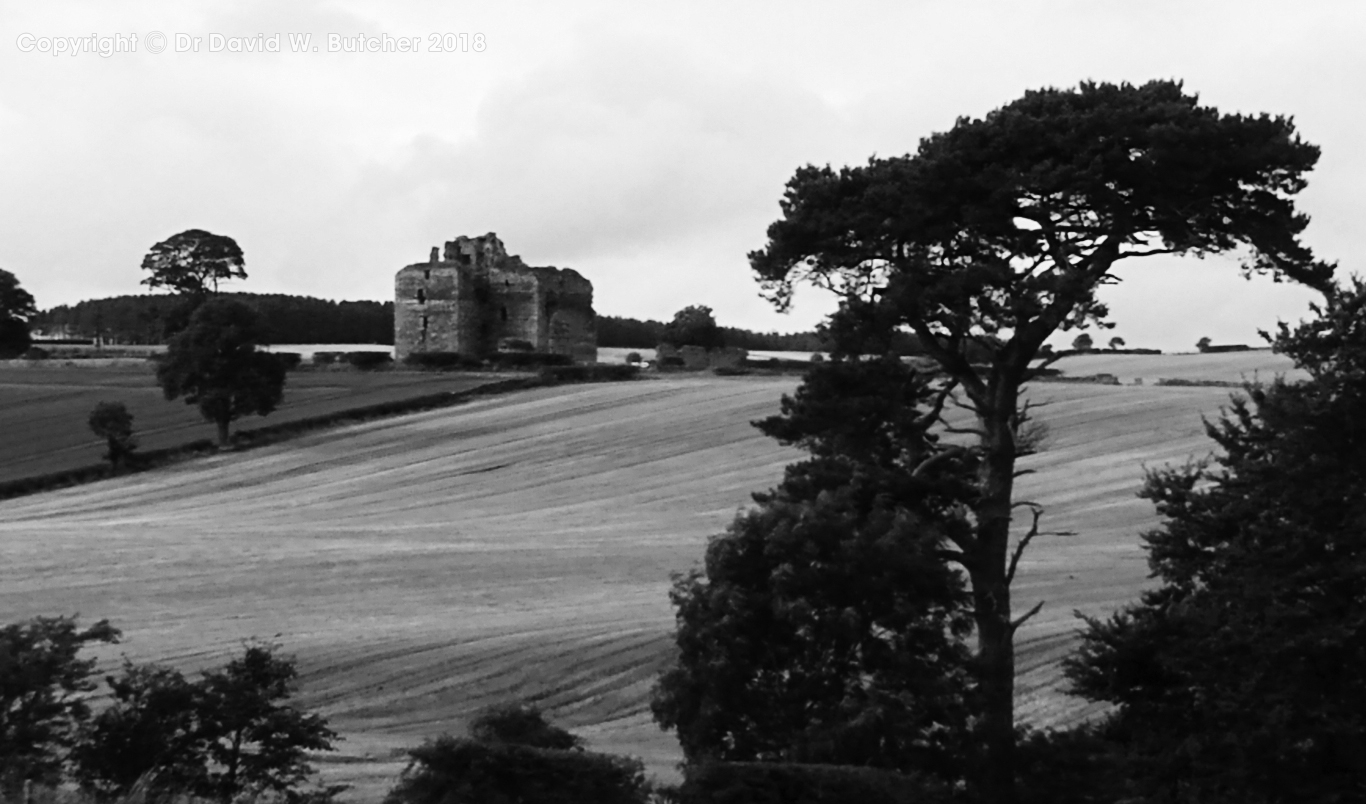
<point x="472" y="297"/>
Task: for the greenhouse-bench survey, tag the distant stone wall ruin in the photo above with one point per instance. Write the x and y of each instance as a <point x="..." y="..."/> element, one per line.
<point x="473" y="298"/>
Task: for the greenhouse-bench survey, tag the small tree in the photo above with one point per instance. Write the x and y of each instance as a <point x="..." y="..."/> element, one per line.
<point x="43" y="687"/>
<point x="112" y="422"/>
<point x="148" y="734"/>
<point x="193" y="262"/>
<point x="255" y="741"/>
<point x="1083" y="343"/>
<point x="1203" y="344"/>
<point x="16" y="308"/>
<point x="214" y="364"/>
<point x="1116" y="343"/>
<point x="633" y="358"/>
<point x="694" y="326"/>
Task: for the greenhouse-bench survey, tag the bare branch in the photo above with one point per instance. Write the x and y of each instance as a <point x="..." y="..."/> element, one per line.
<point x="965" y="431"/>
<point x="1019" y="621"/>
<point x="937" y="408"/>
<point x="1147" y="253"/>
<point x="1036" y="511"/>
<point x="952" y="452"/>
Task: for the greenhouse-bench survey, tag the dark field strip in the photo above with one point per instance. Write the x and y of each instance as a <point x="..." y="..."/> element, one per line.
<point x="43" y="410"/>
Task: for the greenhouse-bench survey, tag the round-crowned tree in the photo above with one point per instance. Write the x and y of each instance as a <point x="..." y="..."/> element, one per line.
<point x="214" y="363"/>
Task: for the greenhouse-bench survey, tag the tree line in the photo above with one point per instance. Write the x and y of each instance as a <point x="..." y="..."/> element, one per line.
<point x="142" y="319"/>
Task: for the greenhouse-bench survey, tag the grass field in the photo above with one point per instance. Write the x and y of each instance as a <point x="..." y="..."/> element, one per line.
<point x="520" y="546"/>
<point x="43" y="408"/>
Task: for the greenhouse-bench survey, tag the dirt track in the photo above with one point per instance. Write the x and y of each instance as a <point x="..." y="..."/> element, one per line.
<point x="520" y="547"/>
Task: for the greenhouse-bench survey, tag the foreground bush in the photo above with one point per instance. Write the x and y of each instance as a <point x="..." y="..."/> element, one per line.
<point x="782" y="783"/>
<point x="230" y="734"/>
<point x="591" y="372"/>
<point x="441" y="360"/>
<point x="43" y="691"/>
<point x="519" y="724"/>
<point x="452" y="770"/>
<point x="367" y="361"/>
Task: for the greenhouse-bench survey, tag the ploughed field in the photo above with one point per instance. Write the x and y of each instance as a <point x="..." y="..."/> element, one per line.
<point x="44" y="408"/>
<point x="519" y="547"/>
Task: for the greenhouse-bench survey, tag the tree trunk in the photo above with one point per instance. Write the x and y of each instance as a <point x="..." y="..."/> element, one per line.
<point x="991" y="597"/>
<point x="223" y="431"/>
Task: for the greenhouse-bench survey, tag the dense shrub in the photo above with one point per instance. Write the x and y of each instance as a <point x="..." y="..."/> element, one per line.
<point x="367" y="361"/>
<point x="1077" y="766"/>
<point x="729" y="371"/>
<point x="517" y="345"/>
<point x="590" y="372"/>
<point x="453" y="770"/>
<point x="633" y="357"/>
<point x="520" y="724"/>
<point x="532" y="359"/>
<point x="36" y="353"/>
<point x="1197" y="383"/>
<point x="325" y="358"/>
<point x="290" y="360"/>
<point x="788" y="783"/>
<point x="442" y="360"/>
<point x="44" y="687"/>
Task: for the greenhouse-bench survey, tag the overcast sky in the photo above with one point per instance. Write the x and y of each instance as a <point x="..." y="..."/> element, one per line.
<point x="644" y="144"/>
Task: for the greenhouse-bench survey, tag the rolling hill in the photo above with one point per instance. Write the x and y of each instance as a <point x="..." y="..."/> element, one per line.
<point x="520" y="547"/>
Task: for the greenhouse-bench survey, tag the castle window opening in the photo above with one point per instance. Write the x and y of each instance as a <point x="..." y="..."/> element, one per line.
<point x="427" y="274"/>
<point x="504" y="312"/>
<point x="424" y="323"/>
<point x="421" y="296"/>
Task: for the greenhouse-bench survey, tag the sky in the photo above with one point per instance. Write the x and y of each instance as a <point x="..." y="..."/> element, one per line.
<point x="644" y="144"/>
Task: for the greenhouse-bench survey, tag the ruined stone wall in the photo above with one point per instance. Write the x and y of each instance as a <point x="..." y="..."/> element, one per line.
<point x="475" y="298"/>
<point x="427" y="309"/>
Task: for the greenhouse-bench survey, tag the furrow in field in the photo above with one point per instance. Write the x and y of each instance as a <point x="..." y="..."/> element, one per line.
<point x="520" y="547"/>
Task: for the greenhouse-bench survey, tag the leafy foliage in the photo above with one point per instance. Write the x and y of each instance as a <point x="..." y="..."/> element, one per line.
<point x="776" y="783"/>
<point x="148" y="732"/>
<point x="193" y="262"/>
<point x="232" y="733"/>
<point x="452" y="770"/>
<point x="1000" y="232"/>
<point x="1238" y="678"/>
<point x="824" y="627"/>
<point x="16" y="308"/>
<point x="43" y="685"/>
<point x="112" y="422"/>
<point x="284" y="318"/>
<point x="214" y="364"/>
<point x="694" y="326"/>
<point x="1083" y="343"/>
<point x="515" y="755"/>
<point x="521" y="724"/>
<point x="256" y="742"/>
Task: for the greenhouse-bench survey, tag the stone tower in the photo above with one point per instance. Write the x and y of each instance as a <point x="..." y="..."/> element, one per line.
<point x="474" y="298"/>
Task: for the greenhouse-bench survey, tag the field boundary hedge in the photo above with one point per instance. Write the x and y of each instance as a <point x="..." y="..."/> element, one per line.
<point x="275" y="433"/>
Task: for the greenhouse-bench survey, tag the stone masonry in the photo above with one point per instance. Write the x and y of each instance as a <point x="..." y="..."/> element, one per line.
<point x="475" y="299"/>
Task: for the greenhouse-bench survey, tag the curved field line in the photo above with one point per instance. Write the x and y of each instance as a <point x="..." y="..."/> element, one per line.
<point x="520" y="547"/>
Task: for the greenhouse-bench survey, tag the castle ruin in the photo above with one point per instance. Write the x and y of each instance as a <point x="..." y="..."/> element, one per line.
<point x="475" y="299"/>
